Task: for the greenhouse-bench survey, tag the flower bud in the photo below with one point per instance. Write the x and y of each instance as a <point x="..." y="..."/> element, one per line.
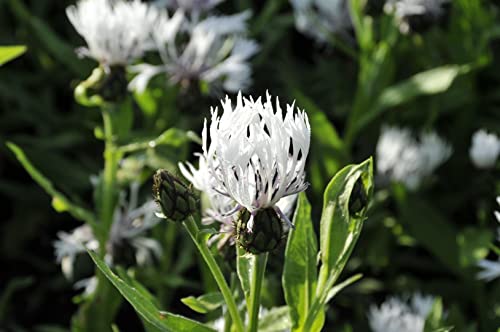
<point x="176" y="200"/>
<point x="265" y="233"/>
<point x="358" y="199"/>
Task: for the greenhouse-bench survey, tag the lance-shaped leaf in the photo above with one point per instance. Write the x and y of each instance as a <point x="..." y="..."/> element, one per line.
<point x="162" y="320"/>
<point x="300" y="270"/>
<point x="8" y="53"/>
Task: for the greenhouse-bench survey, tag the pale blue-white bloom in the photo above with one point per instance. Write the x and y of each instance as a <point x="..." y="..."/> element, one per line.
<point x="117" y="32"/>
<point x="485" y="149"/>
<point x="320" y="18"/>
<point x="213" y="50"/>
<point x="193" y="6"/>
<point x="405" y="10"/>
<point x="397" y="314"/>
<point x="256" y="155"/>
<point x="404" y="159"/>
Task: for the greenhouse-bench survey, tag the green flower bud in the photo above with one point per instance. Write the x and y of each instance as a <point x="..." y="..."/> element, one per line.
<point x="176" y="200"/>
<point x="358" y="199"/>
<point x="266" y="234"/>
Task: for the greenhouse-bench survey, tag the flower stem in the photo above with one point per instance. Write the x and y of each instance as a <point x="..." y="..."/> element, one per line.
<point x="194" y="232"/>
<point x="258" y="270"/>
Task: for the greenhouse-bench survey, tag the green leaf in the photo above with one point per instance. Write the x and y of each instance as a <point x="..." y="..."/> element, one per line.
<point x="337" y="288"/>
<point x="430" y="228"/>
<point x="300" y="269"/>
<point x="339" y="228"/>
<point x="429" y="82"/>
<point x="8" y="53"/>
<point x="275" y="320"/>
<point x="473" y="245"/>
<point x="162" y="320"/>
<point x="60" y="202"/>
<point x="204" y="303"/>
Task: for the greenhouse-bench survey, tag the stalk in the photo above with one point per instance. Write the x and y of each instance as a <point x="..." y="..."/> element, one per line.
<point x="193" y="231"/>
<point x="258" y="270"/>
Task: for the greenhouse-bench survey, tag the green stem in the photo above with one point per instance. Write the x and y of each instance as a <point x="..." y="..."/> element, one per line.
<point x="258" y="270"/>
<point x="193" y="231"/>
<point x="111" y="159"/>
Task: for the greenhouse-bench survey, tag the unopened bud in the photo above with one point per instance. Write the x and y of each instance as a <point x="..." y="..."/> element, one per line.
<point x="264" y="234"/>
<point x="176" y="200"/>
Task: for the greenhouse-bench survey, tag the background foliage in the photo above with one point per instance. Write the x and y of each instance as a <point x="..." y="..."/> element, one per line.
<point x="446" y="78"/>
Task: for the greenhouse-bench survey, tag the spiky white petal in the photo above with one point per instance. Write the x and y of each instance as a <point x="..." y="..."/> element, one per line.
<point x="256" y="155"/>
<point x="485" y="149"/>
<point x="489" y="269"/>
<point x="117" y="32"/>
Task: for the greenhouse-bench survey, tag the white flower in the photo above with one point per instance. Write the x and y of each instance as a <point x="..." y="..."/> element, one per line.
<point x="405" y="10"/>
<point x="196" y="6"/>
<point x="212" y="50"/>
<point x="89" y="285"/>
<point x="256" y="156"/>
<point x="485" y="149"/>
<point x="396" y="315"/>
<point x="404" y="159"/>
<point x="320" y="18"/>
<point x="490" y="269"/>
<point x="117" y="32"/>
<point x="220" y="206"/>
<point x="69" y="245"/>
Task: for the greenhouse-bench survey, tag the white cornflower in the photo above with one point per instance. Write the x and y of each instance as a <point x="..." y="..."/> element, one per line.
<point x="407" y="10"/>
<point x="485" y="149"/>
<point x="212" y="50"/>
<point x="397" y="315"/>
<point x="117" y="32"/>
<point x="402" y="158"/>
<point x="256" y="156"/>
<point x="320" y="18"/>
<point x="221" y="205"/>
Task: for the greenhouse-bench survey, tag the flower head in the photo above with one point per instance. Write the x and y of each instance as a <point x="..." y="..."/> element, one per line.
<point x="195" y="6"/>
<point x="320" y="18"/>
<point x="485" y="149"/>
<point x="117" y="32"/>
<point x="213" y="50"/>
<point x="490" y="269"/>
<point x="396" y="314"/>
<point x="256" y="155"/>
<point x="415" y="15"/>
<point x="404" y="159"/>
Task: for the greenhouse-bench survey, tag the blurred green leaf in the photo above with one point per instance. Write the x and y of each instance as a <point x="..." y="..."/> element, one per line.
<point x="8" y="53"/>
<point x="244" y="263"/>
<point x="162" y="320"/>
<point x="204" y="303"/>
<point x="61" y="202"/>
<point x="473" y="244"/>
<point x="275" y="320"/>
<point x="300" y="268"/>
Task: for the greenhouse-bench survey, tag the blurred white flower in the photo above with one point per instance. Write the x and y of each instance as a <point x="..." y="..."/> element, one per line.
<point x="69" y="245"/>
<point x="117" y="32"/>
<point x="490" y="269"/>
<point x="407" y="10"/>
<point x="256" y="156"/>
<point x="485" y="149"/>
<point x="212" y="50"/>
<point x="404" y="159"/>
<point x="194" y="6"/>
<point x="89" y="285"/>
<point x="320" y="18"/>
<point x="397" y="315"/>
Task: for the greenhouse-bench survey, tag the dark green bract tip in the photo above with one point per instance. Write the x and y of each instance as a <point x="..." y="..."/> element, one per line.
<point x="176" y="200"/>
<point x="266" y="234"/>
<point x="358" y="199"/>
<point x="113" y="85"/>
